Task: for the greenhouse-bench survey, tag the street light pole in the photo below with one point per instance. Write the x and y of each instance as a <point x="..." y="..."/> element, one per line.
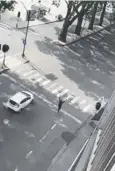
<point x="25" y="40"/>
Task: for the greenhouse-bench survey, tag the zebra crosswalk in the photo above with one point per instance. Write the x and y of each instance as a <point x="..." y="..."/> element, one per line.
<point x="25" y="71"/>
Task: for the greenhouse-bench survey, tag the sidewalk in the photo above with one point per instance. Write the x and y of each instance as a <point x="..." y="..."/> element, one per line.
<point x="73" y="151"/>
<point x="23" y="24"/>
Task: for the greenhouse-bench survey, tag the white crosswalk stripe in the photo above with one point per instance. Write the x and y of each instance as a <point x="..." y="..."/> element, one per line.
<point x="28" y="73"/>
<point x="57" y="89"/>
<point x="39" y="80"/>
<point x="80" y="103"/>
<point x="67" y="97"/>
<point x="46" y="82"/>
<point x="62" y="93"/>
<point x="87" y="108"/>
<point x="52" y="86"/>
<point x="36" y="75"/>
<point x="74" y="100"/>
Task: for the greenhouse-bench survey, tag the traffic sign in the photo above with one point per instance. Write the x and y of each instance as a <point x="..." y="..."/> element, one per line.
<point x="24" y="41"/>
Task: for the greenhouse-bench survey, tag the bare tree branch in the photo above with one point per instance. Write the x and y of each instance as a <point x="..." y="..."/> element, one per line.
<point x="66" y="2"/>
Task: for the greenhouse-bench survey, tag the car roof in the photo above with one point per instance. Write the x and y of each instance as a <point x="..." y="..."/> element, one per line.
<point x="18" y="97"/>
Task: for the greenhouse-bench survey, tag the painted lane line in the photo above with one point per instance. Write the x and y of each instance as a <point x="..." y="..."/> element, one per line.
<point x="44" y="136"/>
<point x="29" y="154"/>
<point x="41" y="140"/>
<point x="77" y="157"/>
<point x="62" y="93"/>
<point x="74" y="100"/>
<point x="57" y="89"/>
<point x="46" y="82"/>
<point x="53" y="126"/>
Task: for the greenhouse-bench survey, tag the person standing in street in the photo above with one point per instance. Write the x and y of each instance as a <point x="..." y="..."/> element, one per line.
<point x="60" y="104"/>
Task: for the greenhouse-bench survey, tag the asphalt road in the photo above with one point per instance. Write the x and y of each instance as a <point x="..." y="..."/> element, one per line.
<point x="31" y="139"/>
<point x="36" y="130"/>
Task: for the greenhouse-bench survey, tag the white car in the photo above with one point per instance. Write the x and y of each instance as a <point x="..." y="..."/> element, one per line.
<point x="19" y="101"/>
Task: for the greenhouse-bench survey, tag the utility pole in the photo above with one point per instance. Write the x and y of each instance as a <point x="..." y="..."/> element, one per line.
<point x="25" y="39"/>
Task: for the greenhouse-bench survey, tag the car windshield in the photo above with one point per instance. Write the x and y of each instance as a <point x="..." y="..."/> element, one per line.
<point x="27" y="95"/>
<point x="13" y="103"/>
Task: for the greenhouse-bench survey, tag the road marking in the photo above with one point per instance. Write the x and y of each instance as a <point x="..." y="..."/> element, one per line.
<point x="28" y="73"/>
<point x="74" y="100"/>
<point x="39" y="79"/>
<point x="29" y="154"/>
<point x="87" y="108"/>
<point x="57" y="89"/>
<point x="46" y="82"/>
<point x="80" y="103"/>
<point x="51" y="86"/>
<point x="44" y="136"/>
<point x="74" y="118"/>
<point x="16" y="169"/>
<point x="41" y="140"/>
<point x="30" y="135"/>
<point x="34" y="76"/>
<point x="68" y="97"/>
<point x="62" y="93"/>
<point x="53" y="126"/>
<point x="71" y="167"/>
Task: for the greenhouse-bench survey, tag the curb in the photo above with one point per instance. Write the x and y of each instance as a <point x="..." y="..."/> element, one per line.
<point x="3" y="70"/>
<point x="78" y="156"/>
<point x="56" y="158"/>
<point x="74" y="41"/>
<point x="32" y="65"/>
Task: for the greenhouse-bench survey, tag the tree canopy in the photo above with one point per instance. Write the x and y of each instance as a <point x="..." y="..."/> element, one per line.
<point x="5" y="4"/>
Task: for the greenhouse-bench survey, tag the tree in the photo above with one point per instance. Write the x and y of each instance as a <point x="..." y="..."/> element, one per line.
<point x="102" y="13"/>
<point x="72" y="14"/>
<point x="93" y="15"/>
<point x="84" y="10"/>
<point x="5" y="4"/>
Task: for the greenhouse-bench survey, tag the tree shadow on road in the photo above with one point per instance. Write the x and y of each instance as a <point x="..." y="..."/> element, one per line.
<point x="89" y="63"/>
